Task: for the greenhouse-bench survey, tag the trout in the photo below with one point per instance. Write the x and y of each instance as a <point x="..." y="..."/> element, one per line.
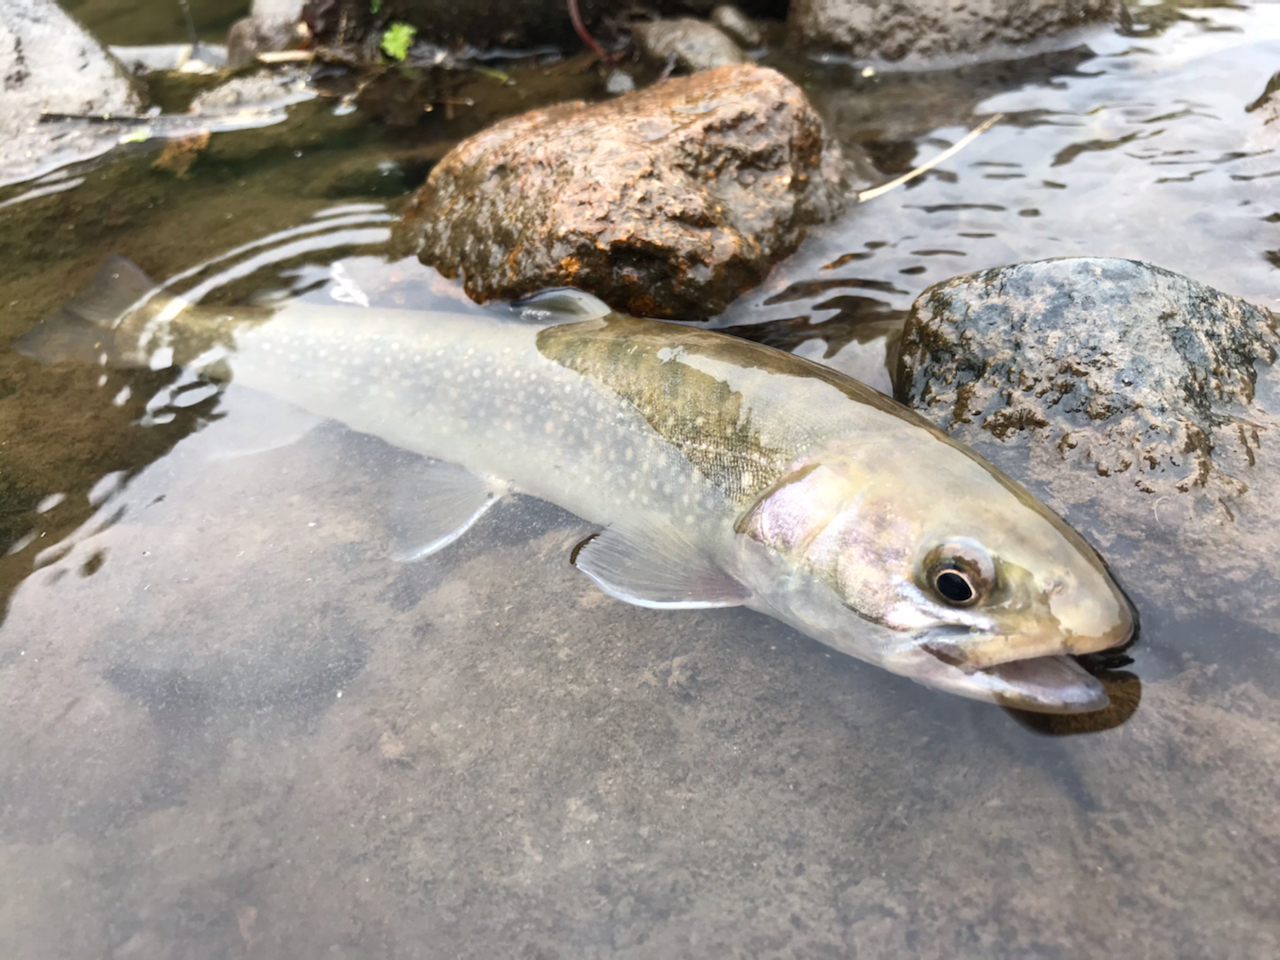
<point x="720" y="472"/>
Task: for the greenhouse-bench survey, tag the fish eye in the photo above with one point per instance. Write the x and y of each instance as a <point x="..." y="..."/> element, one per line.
<point x="954" y="587"/>
<point x="960" y="572"/>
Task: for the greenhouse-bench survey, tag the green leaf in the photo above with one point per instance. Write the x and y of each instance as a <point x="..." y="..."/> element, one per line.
<point x="375" y="6"/>
<point x="396" y="40"/>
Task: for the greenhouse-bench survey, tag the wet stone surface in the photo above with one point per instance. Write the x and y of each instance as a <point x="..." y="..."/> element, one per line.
<point x="687" y="43"/>
<point x="896" y="29"/>
<point x="1139" y="403"/>
<point x="38" y="44"/>
<point x="668" y="202"/>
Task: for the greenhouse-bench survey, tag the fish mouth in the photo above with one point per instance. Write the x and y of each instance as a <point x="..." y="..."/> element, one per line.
<point x="1047" y="685"/>
<point x="1051" y="684"/>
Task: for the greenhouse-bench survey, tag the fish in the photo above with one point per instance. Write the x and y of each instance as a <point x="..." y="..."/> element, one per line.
<point x="717" y="472"/>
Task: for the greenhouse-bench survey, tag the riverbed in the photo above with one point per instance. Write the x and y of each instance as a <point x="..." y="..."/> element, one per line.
<point x="232" y="724"/>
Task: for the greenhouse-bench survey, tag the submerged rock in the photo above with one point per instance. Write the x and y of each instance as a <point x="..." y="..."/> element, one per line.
<point x="666" y="202"/>
<point x="896" y="28"/>
<point x="737" y="25"/>
<point x="51" y="65"/>
<point x="692" y="44"/>
<point x="1142" y="405"/>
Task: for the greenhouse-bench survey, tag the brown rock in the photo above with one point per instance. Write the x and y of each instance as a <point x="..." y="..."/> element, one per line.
<point x="667" y="202"/>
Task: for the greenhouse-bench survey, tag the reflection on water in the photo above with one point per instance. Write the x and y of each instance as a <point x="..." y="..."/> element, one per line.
<point x="232" y="725"/>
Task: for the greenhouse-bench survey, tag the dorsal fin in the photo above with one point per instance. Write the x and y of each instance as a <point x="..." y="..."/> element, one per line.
<point x="117" y="286"/>
<point x="561" y="305"/>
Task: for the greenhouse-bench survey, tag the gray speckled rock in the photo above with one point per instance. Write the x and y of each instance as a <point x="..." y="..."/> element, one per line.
<point x="895" y="28"/>
<point x="1127" y="368"/>
<point x="49" y="63"/>
<point x="694" y="44"/>
<point x="1142" y="405"/>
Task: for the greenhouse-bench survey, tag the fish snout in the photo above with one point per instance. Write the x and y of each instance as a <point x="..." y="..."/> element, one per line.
<point x="1072" y="621"/>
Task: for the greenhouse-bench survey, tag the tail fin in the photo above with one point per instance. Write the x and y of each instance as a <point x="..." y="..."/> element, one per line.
<point x="86" y="328"/>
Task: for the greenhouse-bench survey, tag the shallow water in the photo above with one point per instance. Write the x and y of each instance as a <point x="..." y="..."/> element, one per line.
<point x="232" y="725"/>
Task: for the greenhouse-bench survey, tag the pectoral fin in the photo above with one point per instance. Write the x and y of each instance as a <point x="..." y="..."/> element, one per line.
<point x="1041" y="684"/>
<point x="561" y="305"/>
<point x="651" y="564"/>
<point x="434" y="504"/>
<point x="250" y="422"/>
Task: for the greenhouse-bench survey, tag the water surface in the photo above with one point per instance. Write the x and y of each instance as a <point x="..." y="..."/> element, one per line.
<point x="232" y="725"/>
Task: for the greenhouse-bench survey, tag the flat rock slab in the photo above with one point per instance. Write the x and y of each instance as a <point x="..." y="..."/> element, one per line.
<point x="1140" y="404"/>
<point x="667" y="202"/>
<point x="894" y="29"/>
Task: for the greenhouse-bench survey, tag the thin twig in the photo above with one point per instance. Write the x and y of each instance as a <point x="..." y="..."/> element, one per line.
<point x="968" y="138"/>
<point x="286" y="56"/>
<point x="581" y="29"/>
<point x="191" y="30"/>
